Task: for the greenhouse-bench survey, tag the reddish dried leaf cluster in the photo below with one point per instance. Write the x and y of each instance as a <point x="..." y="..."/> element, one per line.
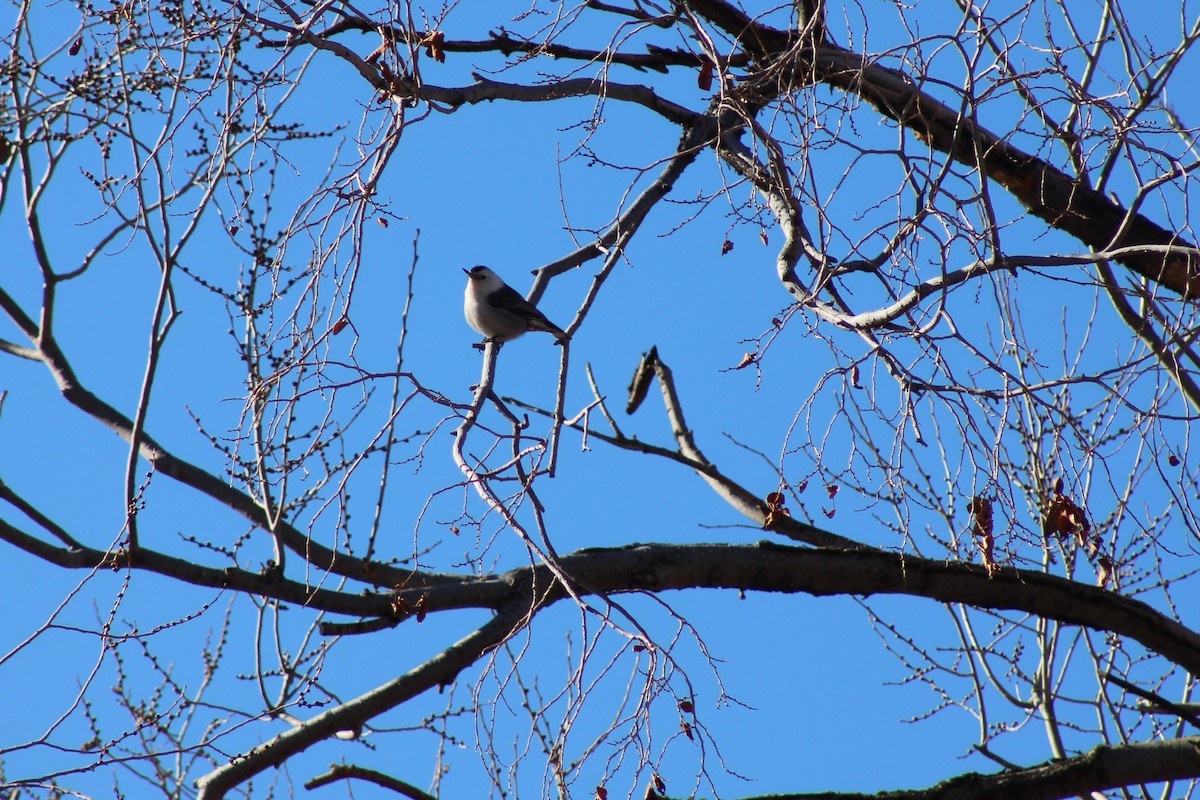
<point x="687" y="707"/>
<point x="434" y="45"/>
<point x="402" y="608"/>
<point x="776" y="510"/>
<point x="1064" y="518"/>
<point x="981" y="518"/>
<point x="656" y="789"/>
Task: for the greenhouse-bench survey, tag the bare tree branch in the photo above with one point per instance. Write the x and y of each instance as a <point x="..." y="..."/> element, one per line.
<point x="1098" y="770"/>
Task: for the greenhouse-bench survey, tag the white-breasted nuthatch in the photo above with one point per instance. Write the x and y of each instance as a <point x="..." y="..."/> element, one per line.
<point x="495" y="309"/>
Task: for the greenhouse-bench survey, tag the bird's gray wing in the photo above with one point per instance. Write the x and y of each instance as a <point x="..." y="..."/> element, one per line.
<point x="506" y="298"/>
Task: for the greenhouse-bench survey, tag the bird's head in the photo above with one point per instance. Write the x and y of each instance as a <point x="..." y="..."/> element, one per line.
<point x="483" y="278"/>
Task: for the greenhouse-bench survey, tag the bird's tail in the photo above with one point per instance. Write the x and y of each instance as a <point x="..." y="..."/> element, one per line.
<point x="540" y="323"/>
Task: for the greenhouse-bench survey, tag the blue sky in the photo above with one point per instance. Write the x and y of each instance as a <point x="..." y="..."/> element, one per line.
<point x="820" y="704"/>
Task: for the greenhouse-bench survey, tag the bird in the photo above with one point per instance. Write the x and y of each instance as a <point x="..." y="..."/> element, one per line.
<point x="496" y="310"/>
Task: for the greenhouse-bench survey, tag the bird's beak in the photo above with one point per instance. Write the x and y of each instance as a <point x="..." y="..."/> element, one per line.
<point x="466" y="270"/>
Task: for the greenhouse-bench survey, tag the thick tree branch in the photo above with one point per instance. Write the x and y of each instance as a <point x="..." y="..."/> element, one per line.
<point x="1102" y="768"/>
<point x="655" y="567"/>
<point x="763" y="567"/>
<point x="1155" y="702"/>
<point x="260" y="584"/>
<point x="1064" y="202"/>
<point x="205" y="482"/>
<point x="752" y="506"/>
<point x="940" y="284"/>
<point x="658" y="59"/>
<point x="348" y="772"/>
<point x="485" y="89"/>
<point x="771" y="567"/>
<point x="612" y="241"/>
<point x="440" y="670"/>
